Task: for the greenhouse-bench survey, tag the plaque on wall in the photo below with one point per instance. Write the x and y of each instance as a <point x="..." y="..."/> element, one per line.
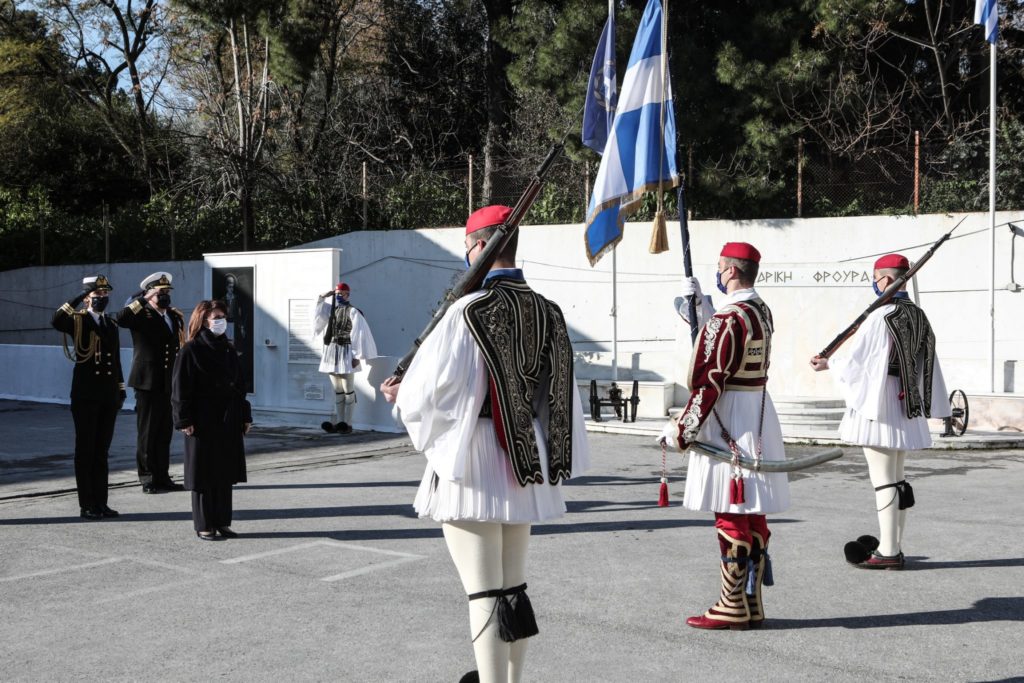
<point x="235" y="287"/>
<point x="302" y="348"/>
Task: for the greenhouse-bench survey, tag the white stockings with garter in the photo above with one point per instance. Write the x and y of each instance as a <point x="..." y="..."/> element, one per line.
<point x="885" y="466"/>
<point x="344" y="396"/>
<point x="490" y="555"/>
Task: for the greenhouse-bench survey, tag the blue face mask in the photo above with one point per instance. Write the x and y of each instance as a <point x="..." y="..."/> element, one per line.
<point x="874" y="286"/>
<point x="341" y="299"/>
<point x="718" y="283"/>
<point x="466" y="259"/>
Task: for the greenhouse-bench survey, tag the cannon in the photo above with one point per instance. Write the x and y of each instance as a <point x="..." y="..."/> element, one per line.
<point x="625" y="407"/>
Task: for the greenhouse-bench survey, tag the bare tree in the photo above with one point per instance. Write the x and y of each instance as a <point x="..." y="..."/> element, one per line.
<point x="121" y="66"/>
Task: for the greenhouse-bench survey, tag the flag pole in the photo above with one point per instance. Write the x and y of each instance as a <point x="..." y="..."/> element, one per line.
<point x="615" y="272"/>
<point x="992" y="220"/>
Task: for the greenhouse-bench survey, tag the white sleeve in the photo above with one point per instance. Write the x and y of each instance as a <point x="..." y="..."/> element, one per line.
<point x="363" y="346"/>
<point x="321" y="315"/>
<point x="441" y="394"/>
<point x="704" y="309"/>
<point x="940" y="394"/>
<point x="580" y="445"/>
<point x="860" y="369"/>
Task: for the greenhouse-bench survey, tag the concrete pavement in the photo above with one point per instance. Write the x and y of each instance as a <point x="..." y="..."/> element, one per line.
<point x="335" y="579"/>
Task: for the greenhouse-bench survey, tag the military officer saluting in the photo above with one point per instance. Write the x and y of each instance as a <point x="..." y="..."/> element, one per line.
<point x="97" y="389"/>
<point x="158" y="331"/>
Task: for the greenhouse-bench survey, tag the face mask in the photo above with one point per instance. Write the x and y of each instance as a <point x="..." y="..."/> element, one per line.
<point x="466" y="259"/>
<point x="718" y="283"/>
<point x="219" y="326"/>
<point x="99" y="303"/>
<point x="341" y="299"/>
<point x="163" y="300"/>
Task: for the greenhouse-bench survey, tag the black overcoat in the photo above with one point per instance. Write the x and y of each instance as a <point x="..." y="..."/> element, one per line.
<point x="208" y="394"/>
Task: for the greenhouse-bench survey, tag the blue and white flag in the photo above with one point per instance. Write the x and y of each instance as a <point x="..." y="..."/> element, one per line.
<point x="636" y="156"/>
<point x="599" y="109"/>
<point x="986" y="12"/>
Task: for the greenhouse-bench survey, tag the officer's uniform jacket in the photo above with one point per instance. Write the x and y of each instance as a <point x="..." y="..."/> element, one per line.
<point x="96" y="352"/>
<point x="155" y="344"/>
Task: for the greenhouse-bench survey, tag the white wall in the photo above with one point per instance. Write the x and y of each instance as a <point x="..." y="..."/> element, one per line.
<point x="29" y="296"/>
<point x="398" y="278"/>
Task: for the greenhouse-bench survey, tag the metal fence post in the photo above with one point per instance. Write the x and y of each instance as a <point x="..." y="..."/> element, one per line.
<point x="799" y="177"/>
<point x="106" y="234"/>
<point x="917" y="171"/>
<point x="469" y="187"/>
<point x="365" y="198"/>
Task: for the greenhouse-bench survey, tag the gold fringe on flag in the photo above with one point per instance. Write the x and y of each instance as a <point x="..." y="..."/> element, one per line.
<point x="659" y="237"/>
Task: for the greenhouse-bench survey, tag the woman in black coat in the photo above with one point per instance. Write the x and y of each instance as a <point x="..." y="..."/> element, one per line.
<point x="209" y="404"/>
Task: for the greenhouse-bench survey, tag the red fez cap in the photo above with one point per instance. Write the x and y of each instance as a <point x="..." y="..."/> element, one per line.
<point x="741" y="250"/>
<point x="342" y="287"/>
<point x="892" y="261"/>
<point x="487" y="217"/>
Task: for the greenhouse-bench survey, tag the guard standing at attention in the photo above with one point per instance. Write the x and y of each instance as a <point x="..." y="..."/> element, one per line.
<point x="97" y="390"/>
<point x="158" y="331"/>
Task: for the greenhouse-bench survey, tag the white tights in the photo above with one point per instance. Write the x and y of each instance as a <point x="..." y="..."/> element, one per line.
<point x="490" y="555"/>
<point x="344" y="396"/>
<point x="885" y="466"/>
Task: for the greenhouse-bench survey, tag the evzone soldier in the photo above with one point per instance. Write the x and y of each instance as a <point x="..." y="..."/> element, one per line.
<point x="347" y="341"/>
<point x="891" y="381"/>
<point x="97" y="390"/>
<point x="491" y="400"/>
<point x="158" y="332"/>
<point x="729" y="407"/>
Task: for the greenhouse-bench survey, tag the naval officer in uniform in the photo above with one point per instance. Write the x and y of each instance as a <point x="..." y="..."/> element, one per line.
<point x="97" y="389"/>
<point x="158" y="331"/>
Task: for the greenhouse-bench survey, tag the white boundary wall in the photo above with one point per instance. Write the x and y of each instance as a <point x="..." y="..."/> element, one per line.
<point x="815" y="276"/>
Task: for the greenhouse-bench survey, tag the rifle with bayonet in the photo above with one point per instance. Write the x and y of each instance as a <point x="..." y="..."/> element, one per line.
<point x="886" y="296"/>
<point x="473" y="277"/>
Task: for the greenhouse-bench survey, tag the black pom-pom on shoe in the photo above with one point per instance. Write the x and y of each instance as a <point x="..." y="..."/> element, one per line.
<point x="870" y="543"/>
<point x="327" y="427"/>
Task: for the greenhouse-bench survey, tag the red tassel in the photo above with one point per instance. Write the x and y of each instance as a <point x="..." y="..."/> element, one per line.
<point x="736" y="491"/>
<point x="663" y="493"/>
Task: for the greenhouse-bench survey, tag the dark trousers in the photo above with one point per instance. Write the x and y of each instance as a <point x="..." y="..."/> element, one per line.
<point x="211" y="509"/>
<point x="153" y="452"/>
<point x="94" y="429"/>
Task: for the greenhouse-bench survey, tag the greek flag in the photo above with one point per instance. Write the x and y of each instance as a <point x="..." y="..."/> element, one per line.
<point x="987" y="12"/>
<point x="599" y="108"/>
<point x="636" y="156"/>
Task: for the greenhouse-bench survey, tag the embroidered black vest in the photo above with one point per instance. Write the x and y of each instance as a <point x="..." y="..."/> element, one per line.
<point x="525" y="345"/>
<point x="339" y="329"/>
<point x="912" y="356"/>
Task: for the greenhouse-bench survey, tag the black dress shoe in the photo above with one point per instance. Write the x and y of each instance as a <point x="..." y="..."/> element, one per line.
<point x="88" y="513"/>
<point x="343" y="428"/>
<point x="107" y="512"/>
<point x="226" y="532"/>
<point x="150" y="488"/>
<point x="210" y="536"/>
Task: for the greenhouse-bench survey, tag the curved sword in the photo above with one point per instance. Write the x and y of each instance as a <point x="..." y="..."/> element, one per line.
<point x="793" y="465"/>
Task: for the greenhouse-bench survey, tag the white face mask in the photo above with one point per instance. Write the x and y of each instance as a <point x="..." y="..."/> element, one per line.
<point x="218" y="326"/>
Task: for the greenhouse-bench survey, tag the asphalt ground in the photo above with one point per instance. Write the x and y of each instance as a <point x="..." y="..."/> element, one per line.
<point x="335" y="579"/>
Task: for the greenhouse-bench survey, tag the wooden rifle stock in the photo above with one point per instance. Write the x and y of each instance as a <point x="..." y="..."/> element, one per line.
<point x="886" y="296"/>
<point x="473" y="277"/>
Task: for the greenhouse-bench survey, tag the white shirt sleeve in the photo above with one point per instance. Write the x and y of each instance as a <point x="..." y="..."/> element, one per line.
<point x="861" y="368"/>
<point x="363" y="345"/>
<point x="441" y="394"/>
<point x="321" y="316"/>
